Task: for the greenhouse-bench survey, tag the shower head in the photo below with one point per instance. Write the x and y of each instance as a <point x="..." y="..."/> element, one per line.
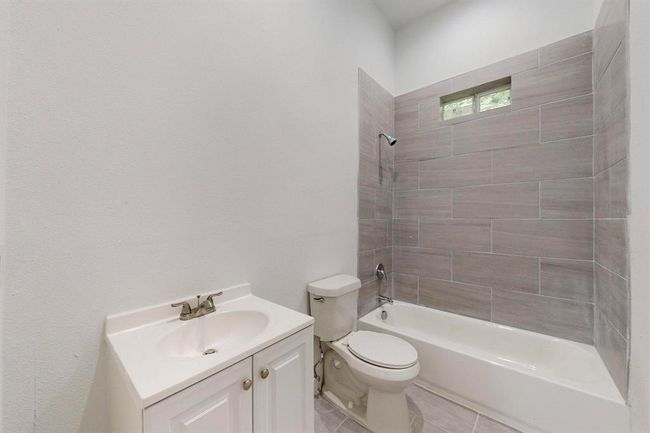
<point x="391" y="140"/>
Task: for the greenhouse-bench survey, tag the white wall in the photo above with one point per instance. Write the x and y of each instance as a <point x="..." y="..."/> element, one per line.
<point x="468" y="34"/>
<point x="640" y="214"/>
<point x="4" y="32"/>
<point x="160" y="149"/>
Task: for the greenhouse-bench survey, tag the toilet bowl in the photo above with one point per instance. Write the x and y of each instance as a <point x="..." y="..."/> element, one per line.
<point x="364" y="373"/>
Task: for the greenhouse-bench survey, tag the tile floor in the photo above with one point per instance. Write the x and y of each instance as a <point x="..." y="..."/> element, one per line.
<point x="430" y="413"/>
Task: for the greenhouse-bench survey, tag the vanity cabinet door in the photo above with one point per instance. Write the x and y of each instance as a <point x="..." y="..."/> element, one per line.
<point x="283" y="397"/>
<point x="218" y="404"/>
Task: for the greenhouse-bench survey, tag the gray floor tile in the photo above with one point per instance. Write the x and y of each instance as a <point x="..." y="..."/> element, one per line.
<point x="487" y="425"/>
<point x="326" y="417"/>
<point x="441" y="413"/>
<point x="429" y="413"/>
<point x="350" y="426"/>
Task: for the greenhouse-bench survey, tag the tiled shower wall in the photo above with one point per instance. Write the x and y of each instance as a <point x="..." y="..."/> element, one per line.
<point x="493" y="212"/>
<point x="376" y="114"/>
<point x="612" y="296"/>
<point x="516" y="215"/>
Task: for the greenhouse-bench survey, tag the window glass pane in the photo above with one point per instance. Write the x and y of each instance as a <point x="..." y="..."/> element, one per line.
<point x="496" y="99"/>
<point x="457" y="108"/>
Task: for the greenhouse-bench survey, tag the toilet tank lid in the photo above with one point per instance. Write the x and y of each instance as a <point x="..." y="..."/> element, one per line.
<point x="334" y="286"/>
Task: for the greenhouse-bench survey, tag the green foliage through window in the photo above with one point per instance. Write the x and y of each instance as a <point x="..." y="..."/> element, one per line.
<point x="489" y="96"/>
<point x="457" y="108"/>
<point x="496" y="99"/>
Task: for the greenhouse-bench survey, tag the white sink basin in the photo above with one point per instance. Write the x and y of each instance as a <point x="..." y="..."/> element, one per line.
<point x="159" y="354"/>
<point x="211" y="333"/>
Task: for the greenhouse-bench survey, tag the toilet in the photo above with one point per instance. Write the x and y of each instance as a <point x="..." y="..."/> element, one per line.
<point x="364" y="373"/>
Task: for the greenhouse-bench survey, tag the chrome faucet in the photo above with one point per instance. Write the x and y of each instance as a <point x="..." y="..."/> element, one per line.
<point x="384" y="299"/>
<point x="202" y="308"/>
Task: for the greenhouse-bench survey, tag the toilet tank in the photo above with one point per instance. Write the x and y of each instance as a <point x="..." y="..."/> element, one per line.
<point x="333" y="304"/>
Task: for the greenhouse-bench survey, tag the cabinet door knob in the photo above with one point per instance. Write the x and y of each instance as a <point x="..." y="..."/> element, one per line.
<point x="247" y="384"/>
<point x="264" y="373"/>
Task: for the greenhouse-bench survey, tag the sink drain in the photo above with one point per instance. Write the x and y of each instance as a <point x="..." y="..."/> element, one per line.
<point x="209" y="351"/>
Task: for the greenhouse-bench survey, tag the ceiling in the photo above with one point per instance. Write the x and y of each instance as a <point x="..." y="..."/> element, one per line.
<point x="401" y="12"/>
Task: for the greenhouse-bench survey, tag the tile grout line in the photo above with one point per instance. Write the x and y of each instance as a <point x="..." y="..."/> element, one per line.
<point x="476" y="422"/>
<point x="341" y="423"/>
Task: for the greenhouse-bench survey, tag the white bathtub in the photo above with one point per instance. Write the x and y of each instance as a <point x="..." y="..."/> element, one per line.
<point x="531" y="381"/>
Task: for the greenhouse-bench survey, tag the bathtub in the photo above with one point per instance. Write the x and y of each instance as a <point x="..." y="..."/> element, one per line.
<point x="531" y="381"/>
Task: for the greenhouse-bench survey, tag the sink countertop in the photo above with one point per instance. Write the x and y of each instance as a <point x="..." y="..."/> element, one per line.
<point x="134" y="338"/>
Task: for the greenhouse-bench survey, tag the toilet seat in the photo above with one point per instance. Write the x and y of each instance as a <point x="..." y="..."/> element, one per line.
<point x="382" y="350"/>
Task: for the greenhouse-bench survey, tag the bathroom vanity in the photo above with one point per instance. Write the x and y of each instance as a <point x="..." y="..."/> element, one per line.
<point x="246" y="367"/>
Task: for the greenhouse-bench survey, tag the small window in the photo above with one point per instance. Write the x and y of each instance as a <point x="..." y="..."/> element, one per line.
<point x="481" y="98"/>
<point x="494" y="99"/>
<point x="458" y="107"/>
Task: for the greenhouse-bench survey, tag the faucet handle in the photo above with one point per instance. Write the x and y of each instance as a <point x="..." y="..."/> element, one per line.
<point x="210" y="300"/>
<point x="186" y="307"/>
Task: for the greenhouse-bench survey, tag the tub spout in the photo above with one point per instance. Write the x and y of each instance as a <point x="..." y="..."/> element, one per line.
<point x="384" y="299"/>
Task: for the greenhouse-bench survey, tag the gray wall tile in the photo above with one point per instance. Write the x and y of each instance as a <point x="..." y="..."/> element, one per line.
<point x="520" y="200"/>
<point x="509" y="189"/>
<point x="610" y="145"/>
<point x="424" y="145"/>
<point x="406" y="175"/>
<point x="366" y="202"/>
<point x="463" y="170"/>
<point x="424" y="262"/>
<point x="568" y="119"/>
<point x="424" y="94"/>
<point x="373" y="234"/>
<point x="473" y="301"/>
<point x="566" y="48"/>
<point x="375" y="187"/>
<point x="384" y="256"/>
<point x="613" y="298"/>
<point x="368" y="172"/>
<point x="611" y="245"/>
<point x="517" y="128"/>
<point x="557" y="160"/>
<point x="612" y="347"/>
<point x="405" y="233"/>
<point x="429" y="114"/>
<point x="405" y="287"/>
<point x="366" y="265"/>
<point x="435" y="203"/>
<point x="609" y="31"/>
<point x="495" y="71"/>
<point x="367" y="137"/>
<point x="611" y="194"/>
<point x="618" y="189"/>
<point x="383" y="204"/>
<point x="569" y="279"/>
<point x="559" y="317"/>
<point x="567" y="199"/>
<point x="610" y="97"/>
<point x="488" y="270"/>
<point x="456" y="234"/>
<point x="555" y="82"/>
<point x="568" y="239"/>
<point x="406" y="120"/>
<point x="368" y="295"/>
<point x="602" y="205"/>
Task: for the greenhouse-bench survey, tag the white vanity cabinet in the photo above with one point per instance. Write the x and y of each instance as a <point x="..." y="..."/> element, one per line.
<point x="269" y="392"/>
<point x="283" y="391"/>
<point x="245" y="367"/>
<point x="221" y="403"/>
